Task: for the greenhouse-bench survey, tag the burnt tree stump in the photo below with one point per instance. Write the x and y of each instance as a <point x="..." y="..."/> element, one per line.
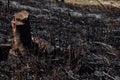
<point x="21" y="32"/>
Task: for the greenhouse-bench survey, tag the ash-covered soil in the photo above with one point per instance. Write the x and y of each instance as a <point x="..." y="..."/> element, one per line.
<point x="76" y="42"/>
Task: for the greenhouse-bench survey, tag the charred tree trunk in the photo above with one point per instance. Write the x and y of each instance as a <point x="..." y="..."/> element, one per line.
<point x="21" y="32"/>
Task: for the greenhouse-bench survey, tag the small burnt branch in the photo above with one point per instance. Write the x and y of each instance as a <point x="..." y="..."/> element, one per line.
<point x="21" y="32"/>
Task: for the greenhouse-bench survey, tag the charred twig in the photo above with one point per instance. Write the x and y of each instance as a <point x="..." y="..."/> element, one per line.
<point x="111" y="49"/>
<point x="5" y="45"/>
<point x="109" y="76"/>
<point x="69" y="54"/>
<point x="71" y="74"/>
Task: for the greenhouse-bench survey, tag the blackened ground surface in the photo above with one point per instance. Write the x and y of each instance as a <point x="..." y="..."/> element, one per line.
<point x="83" y="42"/>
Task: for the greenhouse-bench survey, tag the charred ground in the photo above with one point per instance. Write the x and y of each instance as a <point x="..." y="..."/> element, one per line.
<point x="81" y="42"/>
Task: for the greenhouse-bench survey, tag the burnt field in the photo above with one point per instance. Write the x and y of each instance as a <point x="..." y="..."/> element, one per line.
<point x="75" y="42"/>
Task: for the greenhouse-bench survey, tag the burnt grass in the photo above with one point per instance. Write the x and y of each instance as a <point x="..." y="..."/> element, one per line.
<point x="76" y="42"/>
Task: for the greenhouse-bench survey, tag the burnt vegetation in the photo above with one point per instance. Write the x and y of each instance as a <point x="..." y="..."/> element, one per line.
<point x="65" y="42"/>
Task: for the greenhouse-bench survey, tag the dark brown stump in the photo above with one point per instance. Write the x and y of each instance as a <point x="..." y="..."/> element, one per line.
<point x="21" y="32"/>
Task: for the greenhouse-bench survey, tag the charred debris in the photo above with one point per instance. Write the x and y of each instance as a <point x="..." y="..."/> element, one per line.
<point x="44" y="40"/>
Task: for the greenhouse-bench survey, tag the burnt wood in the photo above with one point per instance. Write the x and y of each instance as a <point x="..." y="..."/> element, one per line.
<point x="21" y="32"/>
